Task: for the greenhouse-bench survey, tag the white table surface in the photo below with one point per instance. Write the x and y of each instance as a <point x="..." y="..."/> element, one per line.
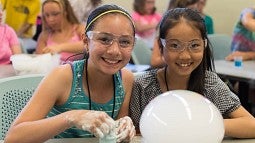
<point x="137" y="139"/>
<point x="137" y="68"/>
<point x="6" y="71"/>
<point x="247" y="71"/>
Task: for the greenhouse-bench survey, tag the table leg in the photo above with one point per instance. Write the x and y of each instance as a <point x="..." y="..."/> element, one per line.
<point x="243" y="94"/>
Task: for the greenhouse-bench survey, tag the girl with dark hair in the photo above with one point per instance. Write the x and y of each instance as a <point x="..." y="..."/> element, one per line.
<point x="186" y="50"/>
<point x="89" y="97"/>
<point x="156" y="59"/>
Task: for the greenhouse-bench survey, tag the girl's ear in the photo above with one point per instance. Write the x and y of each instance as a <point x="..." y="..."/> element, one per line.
<point x="85" y="41"/>
<point x="163" y="59"/>
<point x="84" y="38"/>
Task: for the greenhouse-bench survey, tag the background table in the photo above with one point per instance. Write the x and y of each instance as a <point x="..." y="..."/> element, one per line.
<point x="244" y="75"/>
<point x="227" y="68"/>
<point x="137" y="68"/>
<point x="6" y="71"/>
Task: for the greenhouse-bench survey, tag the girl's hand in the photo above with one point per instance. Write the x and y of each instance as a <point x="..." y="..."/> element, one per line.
<point x="96" y="122"/>
<point x="125" y="129"/>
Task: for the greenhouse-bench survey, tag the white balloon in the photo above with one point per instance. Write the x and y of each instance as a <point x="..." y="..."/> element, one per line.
<point x="181" y="116"/>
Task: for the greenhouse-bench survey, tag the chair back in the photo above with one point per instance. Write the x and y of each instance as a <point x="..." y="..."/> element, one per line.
<point x="14" y="93"/>
<point x="141" y="54"/>
<point x="220" y="45"/>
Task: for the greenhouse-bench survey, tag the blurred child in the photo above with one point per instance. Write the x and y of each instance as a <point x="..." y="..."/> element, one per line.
<point x="146" y="20"/>
<point x="208" y="19"/>
<point x="243" y="39"/>
<point x="9" y="44"/>
<point x="21" y="16"/>
<point x="62" y="32"/>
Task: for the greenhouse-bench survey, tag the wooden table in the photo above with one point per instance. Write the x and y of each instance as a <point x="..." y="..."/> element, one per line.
<point x="6" y="71"/>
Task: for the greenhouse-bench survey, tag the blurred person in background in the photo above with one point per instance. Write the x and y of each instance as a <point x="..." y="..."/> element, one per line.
<point x="243" y="39"/>
<point x="146" y="20"/>
<point x="9" y="44"/>
<point x="62" y="32"/>
<point x="21" y="16"/>
<point x="208" y="19"/>
<point x="192" y="4"/>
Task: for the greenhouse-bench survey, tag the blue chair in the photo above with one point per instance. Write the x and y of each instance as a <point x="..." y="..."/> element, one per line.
<point x="14" y="93"/>
<point x="220" y="45"/>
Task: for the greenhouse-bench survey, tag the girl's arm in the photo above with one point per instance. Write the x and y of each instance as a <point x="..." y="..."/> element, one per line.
<point x="128" y="79"/>
<point x="75" y="47"/>
<point x="72" y="47"/>
<point x="125" y="128"/>
<point x="248" y="21"/>
<point x="16" y="49"/>
<point x="247" y="55"/>
<point x="240" y="125"/>
<point x="41" y="42"/>
<point x="31" y="125"/>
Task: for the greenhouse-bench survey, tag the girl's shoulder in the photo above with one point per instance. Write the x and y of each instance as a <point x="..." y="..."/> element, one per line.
<point x="212" y="80"/>
<point x="44" y="35"/>
<point x="79" y="28"/>
<point x="158" y="15"/>
<point x="146" y="77"/>
<point x="126" y="75"/>
<point x="6" y="28"/>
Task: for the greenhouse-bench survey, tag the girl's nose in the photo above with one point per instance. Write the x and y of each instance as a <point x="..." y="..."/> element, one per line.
<point x="114" y="49"/>
<point x="185" y="54"/>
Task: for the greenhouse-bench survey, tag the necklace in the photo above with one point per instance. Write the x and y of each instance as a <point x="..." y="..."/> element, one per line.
<point x="87" y="81"/>
<point x="166" y="79"/>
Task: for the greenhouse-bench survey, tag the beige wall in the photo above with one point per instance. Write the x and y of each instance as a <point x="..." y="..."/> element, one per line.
<point x="225" y="13"/>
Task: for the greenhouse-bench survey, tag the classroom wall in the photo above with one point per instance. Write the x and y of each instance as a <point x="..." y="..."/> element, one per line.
<point x="225" y="13"/>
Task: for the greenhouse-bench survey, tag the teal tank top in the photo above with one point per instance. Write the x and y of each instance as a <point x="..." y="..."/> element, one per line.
<point x="79" y="100"/>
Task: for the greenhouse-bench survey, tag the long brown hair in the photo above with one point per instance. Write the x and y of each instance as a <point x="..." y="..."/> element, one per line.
<point x="138" y="6"/>
<point x="66" y="7"/>
<point x="181" y="3"/>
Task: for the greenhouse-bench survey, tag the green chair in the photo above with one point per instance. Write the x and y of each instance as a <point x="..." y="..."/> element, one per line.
<point x="220" y="45"/>
<point x="14" y="93"/>
<point x="141" y="54"/>
<point x="221" y="48"/>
